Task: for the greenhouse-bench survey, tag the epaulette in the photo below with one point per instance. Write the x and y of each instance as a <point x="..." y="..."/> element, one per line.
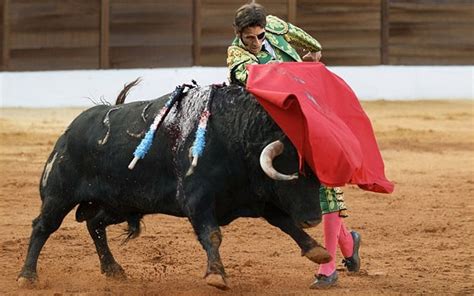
<point x="237" y="55"/>
<point x="276" y="25"/>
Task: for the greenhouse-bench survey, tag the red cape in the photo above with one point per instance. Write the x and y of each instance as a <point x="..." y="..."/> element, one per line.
<point x="323" y="118"/>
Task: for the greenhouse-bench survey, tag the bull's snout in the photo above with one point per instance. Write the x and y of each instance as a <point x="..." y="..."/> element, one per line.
<point x="309" y="223"/>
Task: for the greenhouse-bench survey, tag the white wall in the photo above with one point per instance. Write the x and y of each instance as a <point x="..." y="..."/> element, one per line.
<point x="73" y="88"/>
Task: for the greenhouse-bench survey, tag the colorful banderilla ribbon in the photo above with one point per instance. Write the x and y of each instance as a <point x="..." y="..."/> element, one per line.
<point x="145" y="144"/>
<point x="200" y="141"/>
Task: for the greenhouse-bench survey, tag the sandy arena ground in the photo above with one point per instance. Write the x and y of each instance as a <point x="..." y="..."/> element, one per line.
<point x="419" y="240"/>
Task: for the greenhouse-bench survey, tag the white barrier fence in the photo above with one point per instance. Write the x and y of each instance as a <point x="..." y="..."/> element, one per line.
<point x="76" y="88"/>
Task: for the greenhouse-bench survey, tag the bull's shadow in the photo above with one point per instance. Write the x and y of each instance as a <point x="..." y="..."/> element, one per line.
<point x="242" y="172"/>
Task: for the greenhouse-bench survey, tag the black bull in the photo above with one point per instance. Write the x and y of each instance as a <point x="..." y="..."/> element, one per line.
<point x="88" y="167"/>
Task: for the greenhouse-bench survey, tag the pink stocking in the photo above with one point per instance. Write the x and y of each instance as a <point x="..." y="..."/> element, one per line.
<point x="346" y="242"/>
<point x="335" y="232"/>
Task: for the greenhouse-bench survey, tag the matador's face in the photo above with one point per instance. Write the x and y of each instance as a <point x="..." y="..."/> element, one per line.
<point x="252" y="38"/>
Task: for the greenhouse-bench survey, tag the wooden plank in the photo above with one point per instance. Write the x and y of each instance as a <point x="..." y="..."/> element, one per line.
<point x="217" y="30"/>
<point x="344" y="3"/>
<point x="54" y="39"/>
<point x="104" y="34"/>
<point x="358" y="39"/>
<point x="348" y="30"/>
<point x="148" y="56"/>
<point x="431" y="32"/>
<point x="54" y="59"/>
<point x="369" y="19"/>
<point x="384" y="31"/>
<point x="449" y="13"/>
<point x="6" y="36"/>
<point x="54" y="34"/>
<point x="131" y="36"/>
<point x="146" y="33"/>
<point x="427" y="55"/>
<point x="330" y="6"/>
<point x="292" y="8"/>
<point x="54" y="15"/>
<point x="352" y="56"/>
<point x="276" y="7"/>
<point x="215" y="56"/>
<point x="433" y="36"/>
<point x="197" y="7"/>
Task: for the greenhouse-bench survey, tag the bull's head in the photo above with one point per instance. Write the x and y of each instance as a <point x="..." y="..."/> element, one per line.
<point x="297" y="196"/>
<point x="271" y="151"/>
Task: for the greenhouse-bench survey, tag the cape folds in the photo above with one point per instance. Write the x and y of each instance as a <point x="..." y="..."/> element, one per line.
<point x="323" y="118"/>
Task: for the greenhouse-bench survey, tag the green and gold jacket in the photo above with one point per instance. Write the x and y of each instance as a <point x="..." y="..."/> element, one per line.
<point x="282" y="36"/>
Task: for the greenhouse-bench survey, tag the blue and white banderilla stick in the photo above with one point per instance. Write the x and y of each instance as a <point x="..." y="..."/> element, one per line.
<point x="200" y="142"/>
<point x="144" y="146"/>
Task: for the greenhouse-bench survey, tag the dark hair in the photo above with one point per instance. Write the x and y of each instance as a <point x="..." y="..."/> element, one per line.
<point x="250" y="15"/>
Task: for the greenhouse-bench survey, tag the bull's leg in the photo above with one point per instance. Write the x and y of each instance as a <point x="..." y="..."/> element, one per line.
<point x="309" y="247"/>
<point x="96" y="227"/>
<point x="52" y="214"/>
<point x="209" y="235"/>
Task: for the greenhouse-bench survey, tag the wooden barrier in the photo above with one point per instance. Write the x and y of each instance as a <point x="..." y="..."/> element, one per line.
<point x="101" y="34"/>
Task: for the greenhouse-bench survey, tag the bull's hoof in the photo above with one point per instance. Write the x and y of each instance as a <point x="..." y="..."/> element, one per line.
<point x="114" y="271"/>
<point x="26" y="283"/>
<point x="216" y="280"/>
<point x="318" y="254"/>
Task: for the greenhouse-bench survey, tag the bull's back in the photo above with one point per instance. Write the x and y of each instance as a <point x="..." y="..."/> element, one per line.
<point x="95" y="152"/>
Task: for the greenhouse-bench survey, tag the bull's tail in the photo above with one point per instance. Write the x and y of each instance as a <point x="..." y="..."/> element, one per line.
<point x="126" y="88"/>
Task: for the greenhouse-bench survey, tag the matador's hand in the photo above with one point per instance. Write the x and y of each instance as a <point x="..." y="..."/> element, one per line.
<point x="312" y="56"/>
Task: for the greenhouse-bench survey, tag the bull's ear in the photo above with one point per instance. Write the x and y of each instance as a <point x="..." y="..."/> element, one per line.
<point x="286" y="141"/>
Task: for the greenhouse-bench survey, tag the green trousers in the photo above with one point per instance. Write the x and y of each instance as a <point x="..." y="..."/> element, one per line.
<point x="332" y="200"/>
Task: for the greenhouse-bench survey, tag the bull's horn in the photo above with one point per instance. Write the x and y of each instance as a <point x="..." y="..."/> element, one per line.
<point x="271" y="151"/>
